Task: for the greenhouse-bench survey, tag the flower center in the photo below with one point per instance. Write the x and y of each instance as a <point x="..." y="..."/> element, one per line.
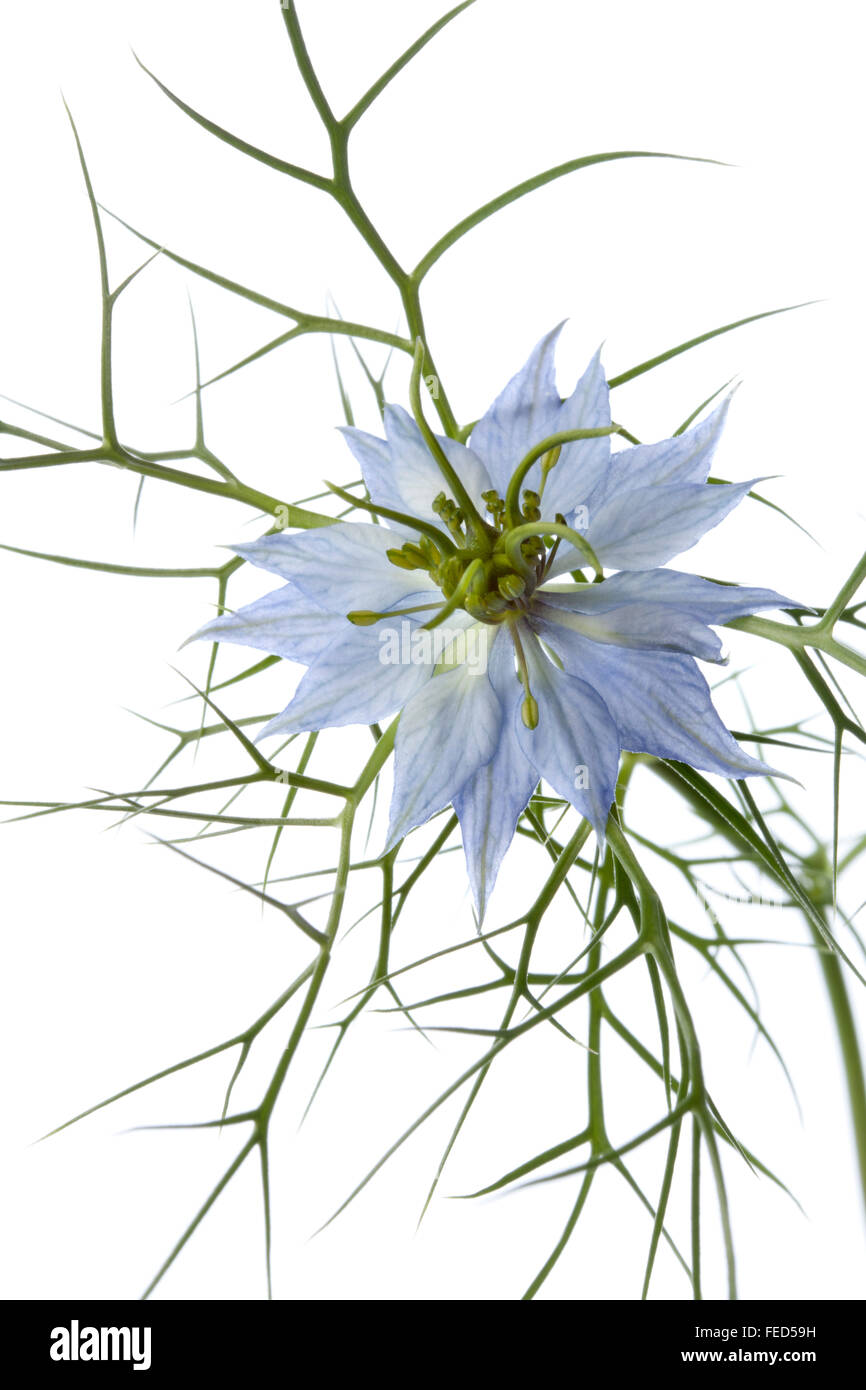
<point x="491" y="579"/>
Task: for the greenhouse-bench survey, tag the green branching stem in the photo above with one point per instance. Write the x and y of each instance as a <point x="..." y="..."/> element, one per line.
<point x="654" y="935"/>
<point x="616" y="880"/>
<point x="817" y="635"/>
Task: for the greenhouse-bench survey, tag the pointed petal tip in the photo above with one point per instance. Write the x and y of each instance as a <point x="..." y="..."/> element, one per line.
<point x="548" y="339"/>
<point x="392" y="839"/>
<point x="201" y="633"/>
<point x="278" y="725"/>
<point x="763" y="769"/>
<point x="396" y="414"/>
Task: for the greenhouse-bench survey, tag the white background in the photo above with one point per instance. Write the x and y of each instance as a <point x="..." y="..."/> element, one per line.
<point x="121" y="958"/>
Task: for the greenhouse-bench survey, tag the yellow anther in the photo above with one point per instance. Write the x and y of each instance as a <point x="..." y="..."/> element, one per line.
<point x="408" y="558"/>
<point x="511" y="586"/>
<point x="529" y="712"/>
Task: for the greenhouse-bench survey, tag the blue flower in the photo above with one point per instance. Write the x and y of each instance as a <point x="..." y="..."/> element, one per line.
<point x="450" y="611"/>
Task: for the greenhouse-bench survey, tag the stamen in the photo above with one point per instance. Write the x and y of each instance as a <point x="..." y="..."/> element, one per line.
<point x="511" y="586"/>
<point x="364" y="617"/>
<point x="487" y="608"/>
<point x="457" y="597"/>
<point x="414" y="522"/>
<point x="449" y="574"/>
<point x="529" y="712"/>
<point x="452" y="515"/>
<point x="495" y="506"/>
<point x="409" y="557"/>
<point x="529" y="707"/>
<point x="429" y="551"/>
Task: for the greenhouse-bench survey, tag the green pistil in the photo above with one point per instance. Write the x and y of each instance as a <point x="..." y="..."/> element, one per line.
<point x="548" y="452"/>
<point x="518" y="541"/>
<point x="493" y="574"/>
<point x="548" y="462"/>
<point x="493" y="579"/>
<point x="474" y="521"/>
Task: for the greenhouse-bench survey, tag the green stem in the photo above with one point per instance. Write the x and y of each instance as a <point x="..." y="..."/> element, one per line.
<point x="818" y="635"/>
<point x="656" y="938"/>
<point x="234" y="491"/>
<point x="849" y="1046"/>
<point x="840" y="602"/>
<point x="376" y="761"/>
<point x="341" y="189"/>
<point x="287" y="514"/>
<point x="461" y="496"/>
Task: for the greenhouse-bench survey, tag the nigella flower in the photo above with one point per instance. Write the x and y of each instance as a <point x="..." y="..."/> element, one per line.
<point x="475" y="536"/>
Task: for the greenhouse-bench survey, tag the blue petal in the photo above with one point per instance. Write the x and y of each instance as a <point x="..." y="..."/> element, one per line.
<point x="416" y="474"/>
<point x="377" y="469"/>
<point x="374" y="456"/>
<point x="341" y="568"/>
<point x="703" y="599"/>
<point x="402" y="473"/>
<point x="661" y="610"/>
<point x="446" y="732"/>
<point x="284" y="623"/>
<point x="490" y="804"/>
<point x="519" y="417"/>
<point x="583" y="463"/>
<point x="661" y="705"/>
<point x="350" y="682"/>
<point x="646" y="626"/>
<point x="530" y="410"/>
<point x="685" y="458"/>
<point x="643" y="528"/>
<point x="575" y="746"/>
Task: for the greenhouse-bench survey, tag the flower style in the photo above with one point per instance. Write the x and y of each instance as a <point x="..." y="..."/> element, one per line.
<point x="476" y="535"/>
